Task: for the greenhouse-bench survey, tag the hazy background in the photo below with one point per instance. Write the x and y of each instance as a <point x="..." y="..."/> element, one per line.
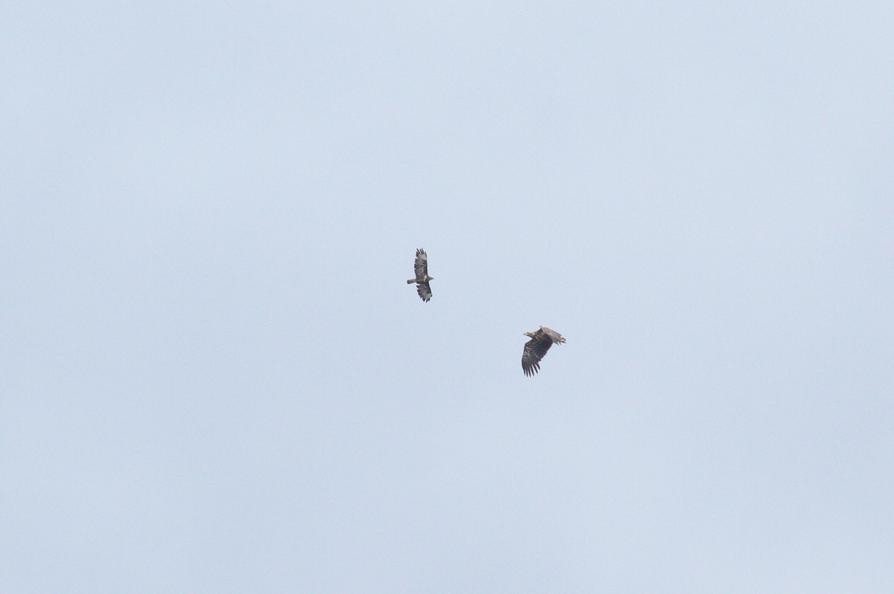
<point x="214" y="379"/>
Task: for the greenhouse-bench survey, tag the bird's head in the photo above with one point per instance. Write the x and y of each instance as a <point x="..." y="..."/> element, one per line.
<point x="529" y="334"/>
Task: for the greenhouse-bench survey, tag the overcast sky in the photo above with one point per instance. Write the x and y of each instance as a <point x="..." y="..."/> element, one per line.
<point x="214" y="379"/>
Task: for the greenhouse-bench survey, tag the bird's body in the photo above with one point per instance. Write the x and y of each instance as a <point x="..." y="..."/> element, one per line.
<point x="420" y="267"/>
<point x="536" y="348"/>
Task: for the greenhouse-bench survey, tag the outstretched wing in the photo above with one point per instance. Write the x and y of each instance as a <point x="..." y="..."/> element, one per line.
<point x="421" y="268"/>
<point x="535" y="350"/>
<point x="424" y="290"/>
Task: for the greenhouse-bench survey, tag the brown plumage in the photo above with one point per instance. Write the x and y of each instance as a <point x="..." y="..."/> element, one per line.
<point x="536" y="348"/>
<point x="420" y="266"/>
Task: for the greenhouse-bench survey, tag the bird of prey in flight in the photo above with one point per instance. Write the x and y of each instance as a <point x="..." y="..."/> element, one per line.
<point x="422" y="278"/>
<point x="536" y="348"/>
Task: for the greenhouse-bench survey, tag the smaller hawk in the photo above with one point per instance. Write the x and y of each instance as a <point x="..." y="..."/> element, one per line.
<point x="536" y="348"/>
<point x="422" y="278"/>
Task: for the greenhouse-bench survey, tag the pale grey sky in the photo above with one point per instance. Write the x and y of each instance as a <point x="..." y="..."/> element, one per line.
<point x="214" y="379"/>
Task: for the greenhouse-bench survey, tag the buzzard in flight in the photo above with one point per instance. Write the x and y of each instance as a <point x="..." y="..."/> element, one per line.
<point x="536" y="348"/>
<point x="422" y="277"/>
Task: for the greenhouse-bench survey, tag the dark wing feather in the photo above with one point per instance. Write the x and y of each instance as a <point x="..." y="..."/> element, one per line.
<point x="535" y="350"/>
<point x="424" y="290"/>
<point x="421" y="267"/>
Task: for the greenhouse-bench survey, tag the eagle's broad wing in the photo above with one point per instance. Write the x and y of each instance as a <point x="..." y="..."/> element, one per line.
<point x="535" y="350"/>
<point x="421" y="266"/>
<point x="424" y="290"/>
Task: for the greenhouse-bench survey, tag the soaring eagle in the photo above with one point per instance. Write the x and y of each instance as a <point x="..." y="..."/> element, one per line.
<point x="422" y="277"/>
<point x="536" y="348"/>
